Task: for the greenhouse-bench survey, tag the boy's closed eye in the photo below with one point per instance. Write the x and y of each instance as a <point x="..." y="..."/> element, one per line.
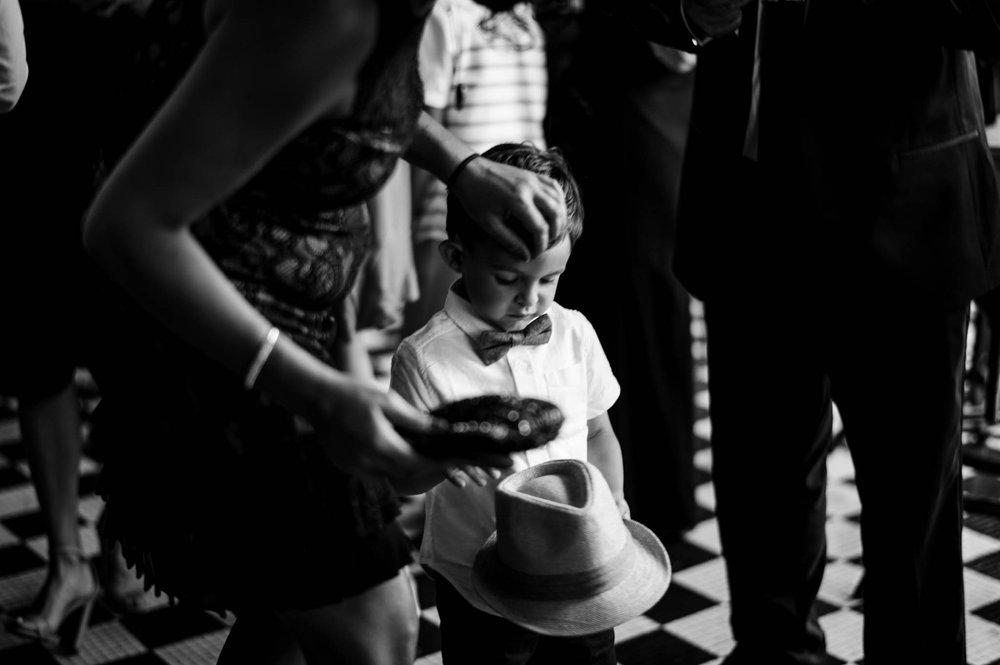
<point x="510" y="280"/>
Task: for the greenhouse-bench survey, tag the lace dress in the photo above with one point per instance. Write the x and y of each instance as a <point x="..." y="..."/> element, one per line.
<point x="218" y="495"/>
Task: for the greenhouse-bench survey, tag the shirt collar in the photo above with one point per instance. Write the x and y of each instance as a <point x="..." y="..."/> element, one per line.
<point x="459" y="310"/>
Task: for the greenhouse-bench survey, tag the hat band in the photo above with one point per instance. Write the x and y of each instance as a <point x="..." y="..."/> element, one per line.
<point x="566" y="586"/>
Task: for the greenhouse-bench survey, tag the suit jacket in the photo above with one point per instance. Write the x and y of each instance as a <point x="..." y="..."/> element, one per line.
<point x="873" y="175"/>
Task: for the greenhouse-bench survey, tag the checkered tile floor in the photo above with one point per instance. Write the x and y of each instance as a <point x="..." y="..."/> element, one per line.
<point x="688" y="626"/>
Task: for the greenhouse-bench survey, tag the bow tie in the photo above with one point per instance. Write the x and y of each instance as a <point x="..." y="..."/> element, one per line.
<point x="494" y="345"/>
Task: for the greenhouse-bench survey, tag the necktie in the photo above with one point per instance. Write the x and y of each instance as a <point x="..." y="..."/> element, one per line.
<point x="775" y="52"/>
<point x="494" y="344"/>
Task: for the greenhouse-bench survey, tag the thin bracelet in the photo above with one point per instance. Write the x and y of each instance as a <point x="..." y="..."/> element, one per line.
<point x="263" y="353"/>
<point x="457" y="171"/>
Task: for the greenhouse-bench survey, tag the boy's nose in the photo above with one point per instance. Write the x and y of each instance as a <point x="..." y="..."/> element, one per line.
<point x="528" y="296"/>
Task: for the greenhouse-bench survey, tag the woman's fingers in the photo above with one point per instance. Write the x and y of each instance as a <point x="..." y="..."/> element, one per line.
<point x="521" y="209"/>
<point x="501" y="229"/>
<point x="551" y="203"/>
<point x="538" y="212"/>
<point x="460" y="476"/>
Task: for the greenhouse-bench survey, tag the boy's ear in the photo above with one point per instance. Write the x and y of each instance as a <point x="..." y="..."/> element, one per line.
<point x="452" y="254"/>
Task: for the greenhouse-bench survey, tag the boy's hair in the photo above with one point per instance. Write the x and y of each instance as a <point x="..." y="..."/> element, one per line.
<point x="460" y="226"/>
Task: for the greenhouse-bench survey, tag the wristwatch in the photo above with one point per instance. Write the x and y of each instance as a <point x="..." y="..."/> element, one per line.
<point x="696" y="41"/>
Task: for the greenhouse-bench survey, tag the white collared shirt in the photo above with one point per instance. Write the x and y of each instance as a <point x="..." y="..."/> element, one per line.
<point x="438" y="364"/>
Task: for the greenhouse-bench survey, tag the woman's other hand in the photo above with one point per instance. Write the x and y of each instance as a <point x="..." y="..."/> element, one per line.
<point x="357" y="422"/>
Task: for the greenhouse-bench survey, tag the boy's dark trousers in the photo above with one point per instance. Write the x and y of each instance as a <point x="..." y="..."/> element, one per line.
<point x="472" y="637"/>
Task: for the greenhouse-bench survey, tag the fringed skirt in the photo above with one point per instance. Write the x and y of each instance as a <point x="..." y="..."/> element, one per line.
<point x="221" y="497"/>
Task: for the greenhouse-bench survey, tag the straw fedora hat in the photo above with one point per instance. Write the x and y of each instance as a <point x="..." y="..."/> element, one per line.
<point x="562" y="560"/>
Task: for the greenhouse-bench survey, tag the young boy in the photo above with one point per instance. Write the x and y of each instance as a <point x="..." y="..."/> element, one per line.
<point x="440" y="363"/>
<point x="486" y="80"/>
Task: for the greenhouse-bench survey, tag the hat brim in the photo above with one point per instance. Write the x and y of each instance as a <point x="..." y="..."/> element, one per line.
<point x="640" y="589"/>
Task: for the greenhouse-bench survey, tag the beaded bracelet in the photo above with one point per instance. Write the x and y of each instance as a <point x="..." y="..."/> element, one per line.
<point x="457" y="171"/>
<point x="263" y="353"/>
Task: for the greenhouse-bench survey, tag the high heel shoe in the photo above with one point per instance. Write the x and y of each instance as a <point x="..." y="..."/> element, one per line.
<point x="62" y="633"/>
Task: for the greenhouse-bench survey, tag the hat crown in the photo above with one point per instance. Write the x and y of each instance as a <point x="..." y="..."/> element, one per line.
<point x="562" y="560"/>
<point x="558" y="518"/>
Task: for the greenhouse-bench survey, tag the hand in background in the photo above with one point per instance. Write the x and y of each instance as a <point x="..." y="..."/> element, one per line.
<point x="713" y="18"/>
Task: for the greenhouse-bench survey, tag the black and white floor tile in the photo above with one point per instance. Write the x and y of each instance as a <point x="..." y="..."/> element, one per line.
<point x="689" y="626"/>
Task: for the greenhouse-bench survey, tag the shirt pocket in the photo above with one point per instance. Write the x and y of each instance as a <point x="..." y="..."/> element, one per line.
<point x="567" y="389"/>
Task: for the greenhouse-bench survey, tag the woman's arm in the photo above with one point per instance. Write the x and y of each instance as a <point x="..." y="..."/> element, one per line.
<point x="263" y="75"/>
<point x="13" y="55"/>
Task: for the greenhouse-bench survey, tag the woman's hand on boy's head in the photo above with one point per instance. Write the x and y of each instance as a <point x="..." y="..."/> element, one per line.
<point x="520" y="209"/>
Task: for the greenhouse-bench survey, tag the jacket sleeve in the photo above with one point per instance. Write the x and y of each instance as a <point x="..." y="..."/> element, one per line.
<point x="13" y="57"/>
<point x="972" y="25"/>
<point x="978" y="24"/>
<point x="966" y="24"/>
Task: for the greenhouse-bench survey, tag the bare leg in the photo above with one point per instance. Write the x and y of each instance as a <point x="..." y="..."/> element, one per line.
<point x="50" y="429"/>
<point x="377" y="627"/>
<point x="260" y="639"/>
<point x="53" y="443"/>
<point x="124" y="593"/>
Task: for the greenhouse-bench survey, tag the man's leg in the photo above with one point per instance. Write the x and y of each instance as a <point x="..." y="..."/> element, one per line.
<point x="905" y="438"/>
<point x="771" y="429"/>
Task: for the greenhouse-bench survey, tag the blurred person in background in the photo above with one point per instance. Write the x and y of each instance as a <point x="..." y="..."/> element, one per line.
<point x="50" y="151"/>
<point x="839" y="209"/>
<point x="619" y="108"/>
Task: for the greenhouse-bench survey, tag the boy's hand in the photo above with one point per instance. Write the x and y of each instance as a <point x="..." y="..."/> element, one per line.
<point x="623" y="508"/>
<point x="461" y="476"/>
<point x="713" y="18"/>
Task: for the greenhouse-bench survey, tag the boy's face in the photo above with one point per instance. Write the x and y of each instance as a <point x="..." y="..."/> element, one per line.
<point x="504" y="290"/>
